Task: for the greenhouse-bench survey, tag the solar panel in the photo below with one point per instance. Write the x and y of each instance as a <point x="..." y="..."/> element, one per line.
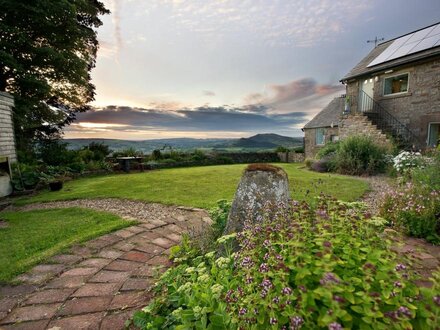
<point x="411" y="43"/>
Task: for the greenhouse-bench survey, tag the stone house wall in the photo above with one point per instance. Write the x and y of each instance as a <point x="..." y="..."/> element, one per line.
<point x="7" y="141"/>
<point x="310" y="147"/>
<point x="360" y="125"/>
<point x="415" y="108"/>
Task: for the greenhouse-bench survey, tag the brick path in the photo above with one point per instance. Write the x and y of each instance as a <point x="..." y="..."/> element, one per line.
<point x="98" y="285"/>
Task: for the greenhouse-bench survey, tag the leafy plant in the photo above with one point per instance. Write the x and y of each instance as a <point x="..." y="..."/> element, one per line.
<point x="358" y="155"/>
<point x="310" y="268"/>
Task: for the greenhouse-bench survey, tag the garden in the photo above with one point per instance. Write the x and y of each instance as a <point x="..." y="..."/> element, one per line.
<point x="324" y="261"/>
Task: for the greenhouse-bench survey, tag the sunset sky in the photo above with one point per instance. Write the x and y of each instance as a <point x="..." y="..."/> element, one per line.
<point x="226" y="68"/>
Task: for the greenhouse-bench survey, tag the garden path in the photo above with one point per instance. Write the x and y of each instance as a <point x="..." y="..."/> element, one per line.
<point x="99" y="284"/>
<point x="423" y="257"/>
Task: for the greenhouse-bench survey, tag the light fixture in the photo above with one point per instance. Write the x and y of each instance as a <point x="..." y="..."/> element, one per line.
<point x="376" y="78"/>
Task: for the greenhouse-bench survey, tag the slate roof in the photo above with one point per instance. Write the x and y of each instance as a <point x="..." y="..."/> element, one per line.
<point x="361" y="68"/>
<point x="330" y="114"/>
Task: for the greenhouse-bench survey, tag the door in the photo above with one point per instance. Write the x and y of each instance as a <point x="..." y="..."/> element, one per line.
<point x="433" y="134"/>
<point x="366" y="95"/>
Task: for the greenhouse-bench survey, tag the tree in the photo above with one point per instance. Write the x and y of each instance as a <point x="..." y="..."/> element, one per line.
<point x="47" y="51"/>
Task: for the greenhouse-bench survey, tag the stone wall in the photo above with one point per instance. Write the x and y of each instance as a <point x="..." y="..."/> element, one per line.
<point x="291" y="157"/>
<point x="415" y="108"/>
<point x="310" y="147"/>
<point x="7" y="141"/>
<point x="360" y="125"/>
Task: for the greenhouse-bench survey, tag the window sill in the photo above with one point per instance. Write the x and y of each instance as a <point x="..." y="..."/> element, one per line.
<point x="395" y="96"/>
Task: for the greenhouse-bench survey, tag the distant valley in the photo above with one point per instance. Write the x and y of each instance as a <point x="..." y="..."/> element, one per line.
<point x="253" y="143"/>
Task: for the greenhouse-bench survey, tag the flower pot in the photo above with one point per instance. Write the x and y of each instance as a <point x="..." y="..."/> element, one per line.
<point x="55" y="185"/>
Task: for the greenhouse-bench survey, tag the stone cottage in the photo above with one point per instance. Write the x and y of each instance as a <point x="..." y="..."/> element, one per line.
<point x="323" y="127"/>
<point x="7" y="143"/>
<point x="395" y="89"/>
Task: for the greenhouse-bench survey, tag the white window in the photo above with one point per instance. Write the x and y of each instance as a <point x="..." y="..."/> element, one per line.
<point x="320" y="136"/>
<point x="395" y="85"/>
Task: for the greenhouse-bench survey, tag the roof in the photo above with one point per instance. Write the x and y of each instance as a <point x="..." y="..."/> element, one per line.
<point x="330" y="115"/>
<point x="361" y="68"/>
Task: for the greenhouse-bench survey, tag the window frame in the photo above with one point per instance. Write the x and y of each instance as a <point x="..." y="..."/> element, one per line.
<point x="323" y="136"/>
<point x="393" y="76"/>
<point x="429" y="133"/>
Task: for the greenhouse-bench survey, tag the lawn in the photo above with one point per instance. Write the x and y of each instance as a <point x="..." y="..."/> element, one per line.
<point x="33" y="236"/>
<point x="199" y="186"/>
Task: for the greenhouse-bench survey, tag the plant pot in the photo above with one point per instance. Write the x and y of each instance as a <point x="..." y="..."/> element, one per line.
<point x="55" y="185"/>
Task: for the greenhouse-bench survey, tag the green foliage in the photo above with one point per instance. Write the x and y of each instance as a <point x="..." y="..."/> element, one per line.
<point x="55" y="153"/>
<point x="219" y="216"/>
<point x="42" y="68"/>
<point x="95" y="151"/>
<point x="33" y="236"/>
<point x="128" y="152"/>
<point x="329" y="267"/>
<point x="282" y="149"/>
<point x="328" y="149"/>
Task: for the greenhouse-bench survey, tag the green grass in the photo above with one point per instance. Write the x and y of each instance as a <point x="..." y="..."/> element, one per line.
<point x="199" y="186"/>
<point x="33" y="236"/>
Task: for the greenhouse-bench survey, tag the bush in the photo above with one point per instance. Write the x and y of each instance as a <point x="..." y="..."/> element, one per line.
<point x="55" y="153"/>
<point x="359" y="155"/>
<point x="329" y="148"/>
<point x="308" y="268"/>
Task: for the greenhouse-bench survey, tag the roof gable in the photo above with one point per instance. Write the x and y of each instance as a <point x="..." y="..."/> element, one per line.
<point x="330" y="115"/>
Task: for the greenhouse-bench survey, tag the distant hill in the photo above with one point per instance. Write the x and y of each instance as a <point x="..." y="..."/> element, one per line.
<point x="256" y="142"/>
<point x="268" y="141"/>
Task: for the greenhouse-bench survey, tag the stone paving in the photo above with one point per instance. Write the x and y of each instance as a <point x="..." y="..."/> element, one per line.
<point x="99" y="284"/>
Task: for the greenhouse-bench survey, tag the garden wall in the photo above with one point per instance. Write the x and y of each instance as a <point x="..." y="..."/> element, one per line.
<point x="291" y="157"/>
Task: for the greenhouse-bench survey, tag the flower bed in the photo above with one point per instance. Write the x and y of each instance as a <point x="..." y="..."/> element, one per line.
<point x="311" y="268"/>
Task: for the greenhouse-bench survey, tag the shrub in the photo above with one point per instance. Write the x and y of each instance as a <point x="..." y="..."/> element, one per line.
<point x="329" y="148"/>
<point x="55" y="153"/>
<point x="359" y="155"/>
<point x="306" y="268"/>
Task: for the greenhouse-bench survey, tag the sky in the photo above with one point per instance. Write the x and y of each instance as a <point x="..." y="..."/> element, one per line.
<point x="231" y="68"/>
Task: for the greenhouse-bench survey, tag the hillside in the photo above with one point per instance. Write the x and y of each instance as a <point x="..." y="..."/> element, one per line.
<point x="259" y="141"/>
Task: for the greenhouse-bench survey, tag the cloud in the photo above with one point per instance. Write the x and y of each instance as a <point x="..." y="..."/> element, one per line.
<point x="208" y="93"/>
<point x="305" y="95"/>
<point x="275" y="23"/>
<point x="202" y="119"/>
<point x="116" y="19"/>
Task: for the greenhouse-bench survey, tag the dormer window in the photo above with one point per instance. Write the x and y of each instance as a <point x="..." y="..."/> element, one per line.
<point x="396" y="84"/>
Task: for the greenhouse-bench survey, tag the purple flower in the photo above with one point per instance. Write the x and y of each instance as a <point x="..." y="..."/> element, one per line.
<point x="286" y="290"/>
<point x="296" y="322"/>
<point x="276" y="300"/>
<point x="249" y="280"/>
<point x="263" y="293"/>
<point x="339" y="299"/>
<point x="267" y="284"/>
<point x="327" y="244"/>
<point x="273" y="321"/>
<point x="266" y="256"/>
<point x="436" y="300"/>
<point x="264" y="268"/>
<point x="242" y="311"/>
<point x="256" y="311"/>
<point x="334" y="326"/>
<point x="266" y="243"/>
<point x="247" y="262"/>
<point x="329" y="278"/>
<point x="397" y="284"/>
<point x="404" y="311"/>
<point x="400" y="267"/>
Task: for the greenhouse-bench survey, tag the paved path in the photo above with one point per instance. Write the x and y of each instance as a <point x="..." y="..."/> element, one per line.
<point x="98" y="285"/>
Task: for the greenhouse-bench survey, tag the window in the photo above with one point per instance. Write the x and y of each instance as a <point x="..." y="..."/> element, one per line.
<point x="433" y="134"/>
<point x="320" y="137"/>
<point x="396" y="84"/>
